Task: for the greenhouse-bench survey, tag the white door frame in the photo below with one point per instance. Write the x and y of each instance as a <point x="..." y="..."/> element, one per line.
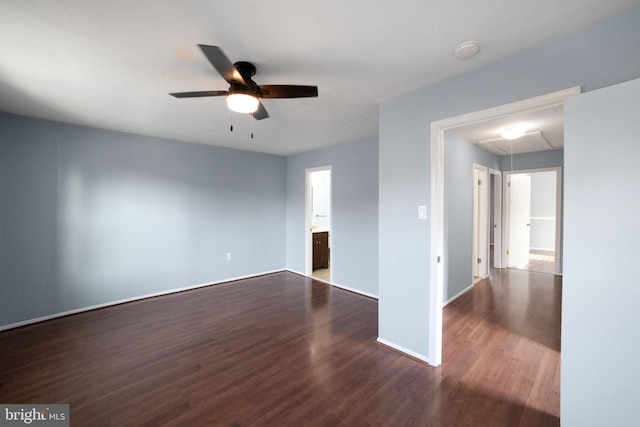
<point x="436" y="277"/>
<point x="480" y="245"/>
<point x="515" y="249"/>
<point x="496" y="227"/>
<point x="308" y="212"/>
<point x="557" y="270"/>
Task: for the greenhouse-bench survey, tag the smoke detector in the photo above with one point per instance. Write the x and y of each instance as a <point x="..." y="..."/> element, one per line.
<point x="467" y="49"/>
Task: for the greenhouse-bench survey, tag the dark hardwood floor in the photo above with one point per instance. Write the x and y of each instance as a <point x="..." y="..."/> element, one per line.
<point x="284" y="350"/>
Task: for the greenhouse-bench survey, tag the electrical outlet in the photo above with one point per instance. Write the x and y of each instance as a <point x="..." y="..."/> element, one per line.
<point x="228" y="256"/>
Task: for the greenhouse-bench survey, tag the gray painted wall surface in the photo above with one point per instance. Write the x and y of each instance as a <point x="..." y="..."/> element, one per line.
<point x="538" y="160"/>
<point x="595" y="57"/>
<point x="89" y="216"/>
<point x="354" y="226"/>
<point x="459" y="157"/>
<point x="600" y="294"/>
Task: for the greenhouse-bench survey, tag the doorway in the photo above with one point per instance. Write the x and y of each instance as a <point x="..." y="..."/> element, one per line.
<point x="495" y="218"/>
<point x="487" y="221"/>
<point x="437" y="227"/>
<point x="533" y="219"/>
<point x="480" y="245"/>
<point x="318" y="223"/>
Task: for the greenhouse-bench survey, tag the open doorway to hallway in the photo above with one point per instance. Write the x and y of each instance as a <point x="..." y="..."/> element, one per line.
<point x="439" y="239"/>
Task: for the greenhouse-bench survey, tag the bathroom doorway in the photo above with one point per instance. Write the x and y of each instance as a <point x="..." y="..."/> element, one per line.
<point x="318" y="189"/>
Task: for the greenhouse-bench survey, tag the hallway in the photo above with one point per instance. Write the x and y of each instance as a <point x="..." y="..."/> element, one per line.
<point x="503" y="337"/>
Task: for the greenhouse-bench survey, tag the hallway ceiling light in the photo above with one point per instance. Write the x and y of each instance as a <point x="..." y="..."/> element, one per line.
<point x="514" y="132"/>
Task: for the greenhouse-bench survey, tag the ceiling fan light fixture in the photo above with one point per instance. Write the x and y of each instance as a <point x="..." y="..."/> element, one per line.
<point x="513" y="132"/>
<point x="242" y="103"/>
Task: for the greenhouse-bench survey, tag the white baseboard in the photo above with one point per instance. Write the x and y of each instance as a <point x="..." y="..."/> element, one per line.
<point x="401" y="349"/>
<point x="125" y="300"/>
<point x="458" y="295"/>
<point x="355" y="291"/>
<point x="346" y="288"/>
<point x="290" y="270"/>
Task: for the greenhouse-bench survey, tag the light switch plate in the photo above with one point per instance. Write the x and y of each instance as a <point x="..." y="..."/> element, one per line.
<point x="422" y="212"/>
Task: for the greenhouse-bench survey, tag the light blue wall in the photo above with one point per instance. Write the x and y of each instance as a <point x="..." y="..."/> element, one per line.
<point x="459" y="157"/>
<point x="600" y="294"/>
<point x="595" y="57"/>
<point x="354" y="221"/>
<point x="537" y="160"/>
<point x="89" y="216"/>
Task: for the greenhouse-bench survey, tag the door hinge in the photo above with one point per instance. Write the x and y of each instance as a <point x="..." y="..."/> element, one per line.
<point x="479" y="260"/>
<point x="507" y="251"/>
<point x="479" y="182"/>
<point x="438" y="259"/>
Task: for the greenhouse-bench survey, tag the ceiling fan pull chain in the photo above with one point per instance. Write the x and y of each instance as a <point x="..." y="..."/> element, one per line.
<point x="252" y="116"/>
<point x="231" y="121"/>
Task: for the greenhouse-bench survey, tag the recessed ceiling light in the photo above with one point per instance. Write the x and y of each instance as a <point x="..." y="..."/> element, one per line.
<point x="466" y="49"/>
<point x="514" y="132"/>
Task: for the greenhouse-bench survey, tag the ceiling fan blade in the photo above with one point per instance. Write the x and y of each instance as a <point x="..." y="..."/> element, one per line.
<point x="261" y="112"/>
<point x="199" y="94"/>
<point x="287" y="91"/>
<point x="221" y="63"/>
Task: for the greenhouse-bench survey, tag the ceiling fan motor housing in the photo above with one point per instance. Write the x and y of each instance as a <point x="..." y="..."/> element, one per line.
<point x="247" y="69"/>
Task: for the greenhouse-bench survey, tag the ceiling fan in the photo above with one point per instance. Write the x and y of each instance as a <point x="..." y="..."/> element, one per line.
<point x="244" y="94"/>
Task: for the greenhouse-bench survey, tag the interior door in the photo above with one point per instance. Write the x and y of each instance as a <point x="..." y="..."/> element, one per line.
<point x="496" y="216"/>
<point x="519" y="220"/>
<point x="480" y="243"/>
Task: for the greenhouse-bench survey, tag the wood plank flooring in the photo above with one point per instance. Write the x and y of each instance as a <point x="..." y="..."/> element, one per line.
<point x="542" y="261"/>
<point x="284" y="350"/>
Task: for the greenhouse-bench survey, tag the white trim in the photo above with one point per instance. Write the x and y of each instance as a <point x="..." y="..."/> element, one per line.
<point x="125" y="300"/>
<point x="355" y="291"/>
<point x="480" y="237"/>
<point x="458" y="295"/>
<point x="559" y="222"/>
<point x="346" y="288"/>
<point x="497" y="216"/>
<point x="438" y="127"/>
<point x="291" y="270"/>
<point x="436" y="263"/>
<point x="404" y="350"/>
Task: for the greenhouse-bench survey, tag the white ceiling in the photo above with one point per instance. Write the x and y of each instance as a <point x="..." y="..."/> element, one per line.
<point x="543" y="127"/>
<point x="111" y="63"/>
